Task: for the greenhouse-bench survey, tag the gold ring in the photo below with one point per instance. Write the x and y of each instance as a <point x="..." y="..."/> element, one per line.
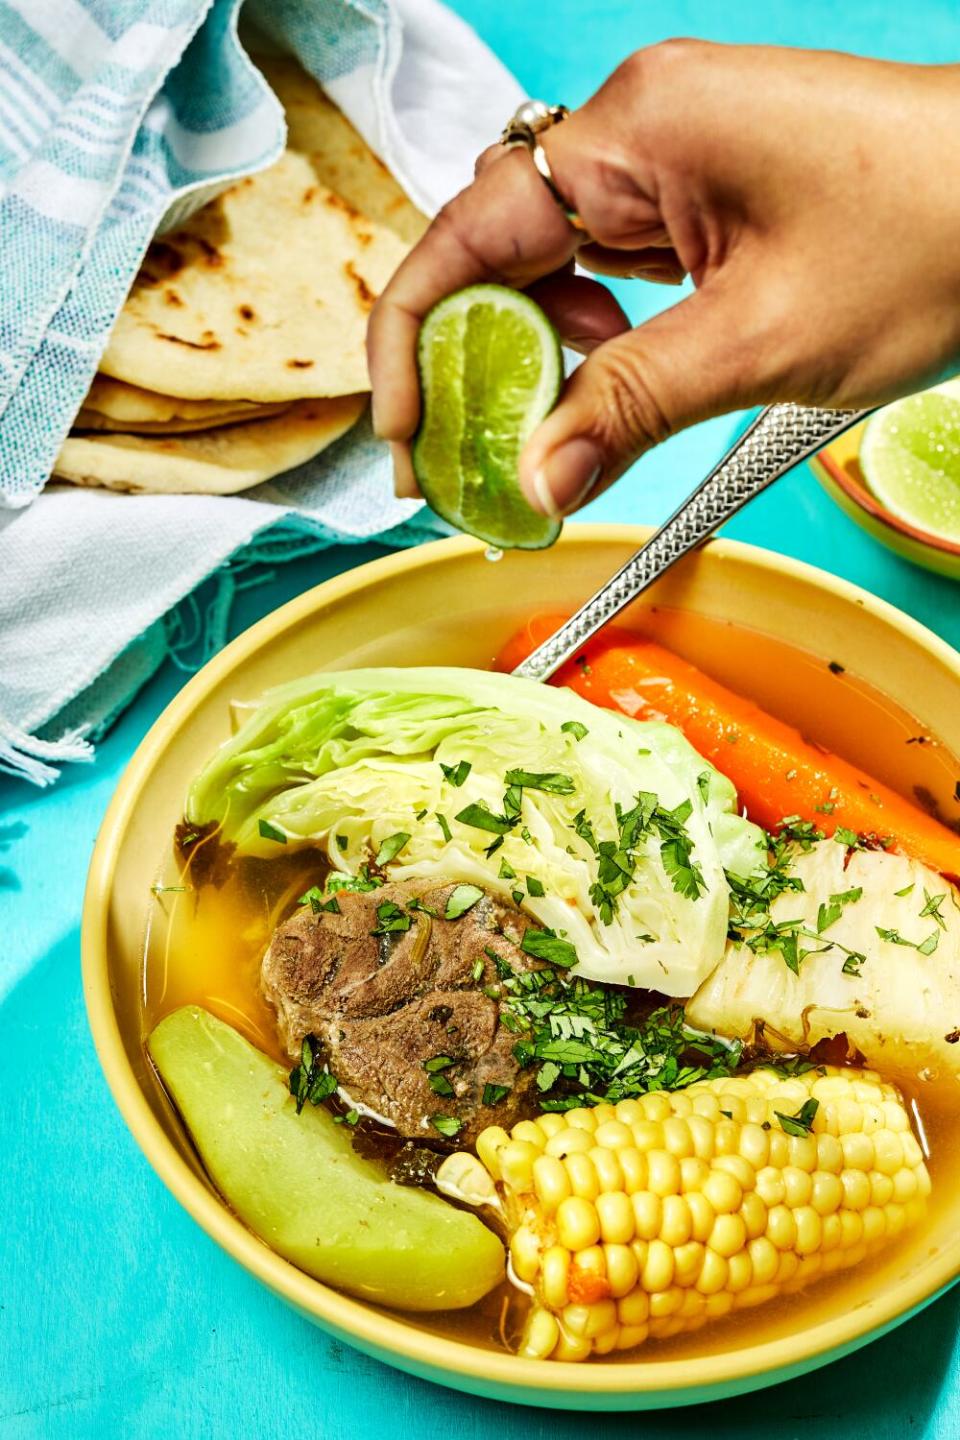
<point x="524" y="128"/>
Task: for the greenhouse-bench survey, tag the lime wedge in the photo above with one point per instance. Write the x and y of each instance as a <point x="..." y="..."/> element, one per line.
<point x="910" y="458"/>
<point x="490" y="370"/>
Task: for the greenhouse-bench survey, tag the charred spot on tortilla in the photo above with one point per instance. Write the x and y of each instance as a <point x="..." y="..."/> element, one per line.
<point x="204" y="343"/>
<point x="246" y="312"/>
<point x="213" y="255"/>
<point x="299" y="364"/>
<point x="337" y="202"/>
<point x="364" y="294"/>
<point x="172" y="298"/>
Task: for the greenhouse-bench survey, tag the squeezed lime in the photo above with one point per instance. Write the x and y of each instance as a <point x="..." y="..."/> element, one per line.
<point x="910" y="458"/>
<point x="490" y="370"/>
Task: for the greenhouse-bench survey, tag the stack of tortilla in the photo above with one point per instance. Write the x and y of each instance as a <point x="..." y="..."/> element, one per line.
<point x="239" y="352"/>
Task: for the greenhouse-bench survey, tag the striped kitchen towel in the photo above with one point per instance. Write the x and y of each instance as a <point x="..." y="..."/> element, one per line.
<point x="118" y="117"/>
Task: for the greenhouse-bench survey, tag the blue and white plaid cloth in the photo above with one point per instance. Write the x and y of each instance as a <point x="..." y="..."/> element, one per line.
<point x="118" y="117"/>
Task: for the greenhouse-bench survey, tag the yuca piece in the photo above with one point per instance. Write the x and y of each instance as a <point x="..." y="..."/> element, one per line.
<point x="114" y="405"/>
<point x="341" y="158"/>
<point x="263" y="295"/>
<point x="878" y="939"/>
<point x="214" y="462"/>
<point x="651" y="1217"/>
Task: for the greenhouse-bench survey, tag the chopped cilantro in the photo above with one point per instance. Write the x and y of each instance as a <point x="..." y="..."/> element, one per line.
<point x="548" y="780"/>
<point x="481" y="817"/>
<point x="507" y="872"/>
<point x="843" y="836"/>
<point x="360" y="883"/>
<point x="582" y="827"/>
<point x="802" y="1122"/>
<point x="517" y="896"/>
<point x="923" y="947"/>
<point x="932" y="907"/>
<point x="513" y="803"/>
<point x="437" y="1063"/>
<point x="444" y="827"/>
<point x="575" y="728"/>
<point x="535" y="887"/>
<point x="417" y="904"/>
<point x="391" y="919"/>
<point x="311" y="1080"/>
<point x="906" y="889"/>
<point x="440" y="1085"/>
<point x="579" y="1027"/>
<point x="703" y="785"/>
<point x="797" y="831"/>
<point x="477" y="970"/>
<point x="456" y="774"/>
<point x="270" y="832"/>
<point x="461" y="899"/>
<point x="829" y="913"/>
<point x="493" y="1094"/>
<point x="447" y="1125"/>
<point x="391" y="847"/>
<point x="854" y="963"/>
<point x="545" y="945"/>
<point x="342" y="842"/>
<point x="421" y="813"/>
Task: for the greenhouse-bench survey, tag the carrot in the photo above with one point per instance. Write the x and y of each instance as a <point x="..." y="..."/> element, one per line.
<point x="776" y="771"/>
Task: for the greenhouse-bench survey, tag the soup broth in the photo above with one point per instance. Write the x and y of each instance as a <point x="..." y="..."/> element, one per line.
<point x="204" y="945"/>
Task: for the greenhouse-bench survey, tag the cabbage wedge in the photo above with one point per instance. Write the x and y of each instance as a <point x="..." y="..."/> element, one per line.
<point x="612" y="833"/>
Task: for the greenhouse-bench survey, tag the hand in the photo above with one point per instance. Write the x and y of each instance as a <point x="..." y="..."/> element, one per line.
<point x="810" y="196"/>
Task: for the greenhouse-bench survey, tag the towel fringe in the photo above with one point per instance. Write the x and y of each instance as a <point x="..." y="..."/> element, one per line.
<point x="29" y="758"/>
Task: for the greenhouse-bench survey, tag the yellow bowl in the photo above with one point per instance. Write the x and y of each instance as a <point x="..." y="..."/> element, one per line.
<point x="445" y="604"/>
<point x="838" y="470"/>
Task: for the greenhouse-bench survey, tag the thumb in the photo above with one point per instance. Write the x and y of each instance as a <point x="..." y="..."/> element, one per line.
<point x="691" y="362"/>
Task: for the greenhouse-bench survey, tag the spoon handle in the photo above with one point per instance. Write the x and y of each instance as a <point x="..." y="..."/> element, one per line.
<point x="779" y="438"/>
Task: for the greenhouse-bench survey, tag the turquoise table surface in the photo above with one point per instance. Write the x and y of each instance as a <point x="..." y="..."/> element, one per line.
<point x="117" y="1315"/>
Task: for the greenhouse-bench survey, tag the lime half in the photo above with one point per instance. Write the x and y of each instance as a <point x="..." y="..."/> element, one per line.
<point x="490" y="370"/>
<point x="910" y="458"/>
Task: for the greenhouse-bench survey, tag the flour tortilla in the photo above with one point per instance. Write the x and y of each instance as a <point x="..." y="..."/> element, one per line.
<point x="129" y="407"/>
<point x="215" y="462"/>
<point x="226" y="414"/>
<point x="341" y="158"/>
<point x="262" y="295"/>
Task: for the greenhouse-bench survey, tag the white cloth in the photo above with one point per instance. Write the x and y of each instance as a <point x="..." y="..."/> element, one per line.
<point x="87" y="577"/>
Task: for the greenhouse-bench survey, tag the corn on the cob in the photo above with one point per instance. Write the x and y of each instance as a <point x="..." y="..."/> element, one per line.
<point x="655" y="1215"/>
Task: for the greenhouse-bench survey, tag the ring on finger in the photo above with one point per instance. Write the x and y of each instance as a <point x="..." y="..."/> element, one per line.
<point x="525" y="127"/>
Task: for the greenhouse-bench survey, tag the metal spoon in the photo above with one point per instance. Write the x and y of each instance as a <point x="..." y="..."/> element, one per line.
<point x="779" y="438"/>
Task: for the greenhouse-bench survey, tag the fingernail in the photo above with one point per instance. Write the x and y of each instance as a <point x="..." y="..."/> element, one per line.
<point x="565" y="478"/>
<point x="405" y="486"/>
